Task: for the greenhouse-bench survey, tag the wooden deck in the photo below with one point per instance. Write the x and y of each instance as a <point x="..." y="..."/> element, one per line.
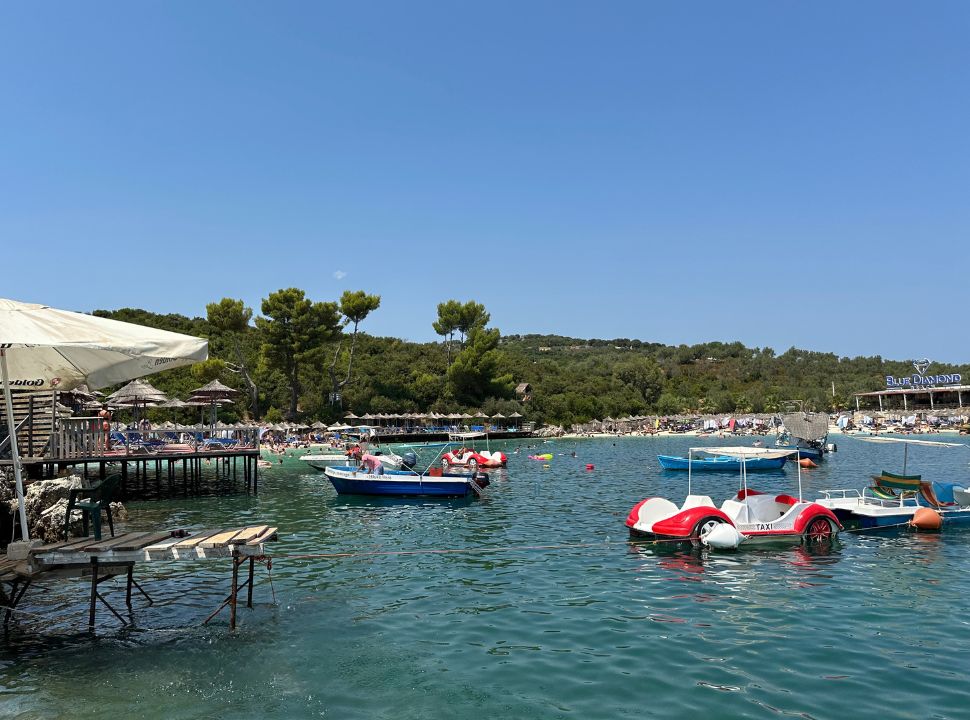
<point x="112" y="556"/>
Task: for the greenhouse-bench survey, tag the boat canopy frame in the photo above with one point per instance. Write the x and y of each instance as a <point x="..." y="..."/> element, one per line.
<point x="743" y="453"/>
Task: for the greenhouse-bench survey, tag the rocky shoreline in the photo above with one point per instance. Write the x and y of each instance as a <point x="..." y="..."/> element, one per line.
<point x="46" y="504"/>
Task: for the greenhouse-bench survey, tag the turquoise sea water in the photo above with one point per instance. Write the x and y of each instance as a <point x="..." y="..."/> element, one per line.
<point x="532" y="603"/>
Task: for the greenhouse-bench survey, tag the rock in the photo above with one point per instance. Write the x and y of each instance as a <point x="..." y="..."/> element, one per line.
<point x="20" y="550"/>
<point x="46" y="504"/>
<point x="549" y="431"/>
<point x="49" y="524"/>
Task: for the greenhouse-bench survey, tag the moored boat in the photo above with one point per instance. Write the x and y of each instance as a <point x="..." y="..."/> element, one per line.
<point x="390" y="460"/>
<point x="749" y="517"/>
<point x="404" y="483"/>
<point x="805" y="433"/>
<point x="774" y="461"/>
<point x="901" y="499"/>
<point x="465" y="456"/>
<point x="321" y="461"/>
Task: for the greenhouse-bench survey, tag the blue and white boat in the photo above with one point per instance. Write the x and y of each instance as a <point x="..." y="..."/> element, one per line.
<point x="765" y="460"/>
<point x="806" y="434"/>
<point x="894" y="500"/>
<point x="406" y="483"/>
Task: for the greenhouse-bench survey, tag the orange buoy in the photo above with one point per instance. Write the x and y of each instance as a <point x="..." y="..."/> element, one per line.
<point x="926" y="519"/>
<point x="807" y="463"/>
<point x="590" y="466"/>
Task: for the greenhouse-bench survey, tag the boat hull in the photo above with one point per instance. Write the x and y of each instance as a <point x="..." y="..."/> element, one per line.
<point x="875" y="517"/>
<point x="803" y="452"/>
<point x="726" y="464"/>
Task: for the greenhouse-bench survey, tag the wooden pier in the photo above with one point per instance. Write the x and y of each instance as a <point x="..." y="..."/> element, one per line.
<point x="106" y="558"/>
<point x="175" y="457"/>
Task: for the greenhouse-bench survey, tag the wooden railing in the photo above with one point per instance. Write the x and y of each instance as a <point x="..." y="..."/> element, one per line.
<point x="80" y="437"/>
<point x="77" y="437"/>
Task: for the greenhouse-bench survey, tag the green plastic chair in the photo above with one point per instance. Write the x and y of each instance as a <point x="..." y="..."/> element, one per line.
<point x="92" y="502"/>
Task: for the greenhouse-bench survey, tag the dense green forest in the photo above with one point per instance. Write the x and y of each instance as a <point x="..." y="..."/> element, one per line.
<point x="300" y="359"/>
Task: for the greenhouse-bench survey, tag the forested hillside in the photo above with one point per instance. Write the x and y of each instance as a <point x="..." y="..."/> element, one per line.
<point x="298" y="358"/>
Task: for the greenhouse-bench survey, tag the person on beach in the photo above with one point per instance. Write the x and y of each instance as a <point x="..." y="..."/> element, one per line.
<point x="371" y="464"/>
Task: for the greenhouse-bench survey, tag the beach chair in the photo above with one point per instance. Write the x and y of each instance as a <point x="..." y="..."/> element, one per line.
<point x="92" y="502"/>
<point x="928" y="493"/>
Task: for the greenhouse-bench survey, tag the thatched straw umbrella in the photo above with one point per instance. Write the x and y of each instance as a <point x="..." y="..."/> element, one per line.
<point x="214" y="392"/>
<point x="135" y="394"/>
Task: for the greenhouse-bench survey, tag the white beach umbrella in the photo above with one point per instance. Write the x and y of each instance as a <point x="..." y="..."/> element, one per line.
<point x="42" y="347"/>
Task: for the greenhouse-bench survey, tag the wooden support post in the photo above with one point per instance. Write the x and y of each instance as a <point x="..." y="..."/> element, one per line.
<point x="235" y="590"/>
<point x="14" y="598"/>
<point x="94" y="592"/>
<point x="249" y="590"/>
<point x="132" y="582"/>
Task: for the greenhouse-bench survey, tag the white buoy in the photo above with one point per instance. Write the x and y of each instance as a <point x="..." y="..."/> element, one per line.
<point x="723" y="537"/>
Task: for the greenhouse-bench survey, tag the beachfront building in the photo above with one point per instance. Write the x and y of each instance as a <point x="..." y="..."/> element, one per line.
<point x="919" y="391"/>
<point x="914" y="398"/>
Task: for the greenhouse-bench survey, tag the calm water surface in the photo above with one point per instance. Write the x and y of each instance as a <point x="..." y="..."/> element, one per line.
<point x="550" y="611"/>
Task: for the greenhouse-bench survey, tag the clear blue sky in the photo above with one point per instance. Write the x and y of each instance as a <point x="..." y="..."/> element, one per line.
<point x="772" y="172"/>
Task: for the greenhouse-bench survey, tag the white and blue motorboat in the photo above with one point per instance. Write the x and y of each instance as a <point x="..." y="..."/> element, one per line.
<point x="806" y="434"/>
<point x="321" y="461"/>
<point x="406" y="483"/>
<point x="898" y="500"/>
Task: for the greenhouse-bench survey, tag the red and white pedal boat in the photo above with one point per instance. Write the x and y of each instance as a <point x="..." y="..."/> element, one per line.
<point x="485" y="459"/>
<point x="464" y="456"/>
<point x="747" y="518"/>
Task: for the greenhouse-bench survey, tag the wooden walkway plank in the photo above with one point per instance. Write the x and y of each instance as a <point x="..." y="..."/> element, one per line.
<point x="194" y="540"/>
<point x="220" y="540"/>
<point x="110" y="543"/>
<point x="75" y="545"/>
<point x="161" y="550"/>
<point x="264" y="537"/>
<point x="48" y="548"/>
<point x="145" y="540"/>
<point x="249" y="533"/>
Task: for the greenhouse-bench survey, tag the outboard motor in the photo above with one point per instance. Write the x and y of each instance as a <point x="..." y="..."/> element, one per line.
<point x="832" y="447"/>
<point x="409" y="460"/>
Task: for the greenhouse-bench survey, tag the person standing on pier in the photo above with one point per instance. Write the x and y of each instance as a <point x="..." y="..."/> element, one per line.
<point x="104" y="420"/>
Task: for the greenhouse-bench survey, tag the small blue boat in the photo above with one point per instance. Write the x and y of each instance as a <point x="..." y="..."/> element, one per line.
<point x="720" y="463"/>
<point x="405" y="483"/>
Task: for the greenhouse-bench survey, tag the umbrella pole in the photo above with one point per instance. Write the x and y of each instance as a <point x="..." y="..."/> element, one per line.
<point x="14" y="451"/>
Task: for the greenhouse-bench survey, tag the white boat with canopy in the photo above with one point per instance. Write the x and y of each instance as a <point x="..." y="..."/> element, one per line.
<point x="894" y="499"/>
